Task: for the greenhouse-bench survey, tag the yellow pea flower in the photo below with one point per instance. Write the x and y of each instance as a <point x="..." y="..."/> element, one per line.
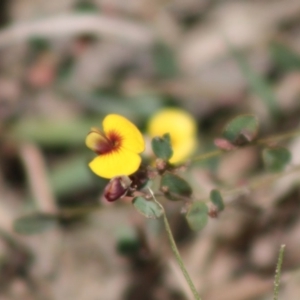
<point x="182" y="129"/>
<point x="117" y="147"/>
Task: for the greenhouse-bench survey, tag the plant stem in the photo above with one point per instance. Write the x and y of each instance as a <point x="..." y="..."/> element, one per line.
<point x="175" y="250"/>
<point x="264" y="141"/>
<point x="207" y="155"/>
<point x="278" y="272"/>
<point x="278" y="137"/>
<point x="257" y="183"/>
<point x="179" y="259"/>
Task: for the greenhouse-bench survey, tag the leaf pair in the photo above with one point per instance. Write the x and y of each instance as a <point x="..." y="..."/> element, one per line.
<point x="197" y="215"/>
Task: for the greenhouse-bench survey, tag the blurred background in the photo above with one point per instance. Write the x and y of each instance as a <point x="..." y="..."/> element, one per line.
<point x="66" y="64"/>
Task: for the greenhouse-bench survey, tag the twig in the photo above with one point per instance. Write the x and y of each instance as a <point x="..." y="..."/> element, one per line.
<point x="37" y="177"/>
<point x="256" y="184"/>
<point x="6" y="220"/>
<point x="208" y="155"/>
<point x="70" y="25"/>
<point x="278" y="137"/>
<point x="278" y="272"/>
<point x="263" y="141"/>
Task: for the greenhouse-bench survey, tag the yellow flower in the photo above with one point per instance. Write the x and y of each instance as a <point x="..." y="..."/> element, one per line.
<point x="182" y="128"/>
<point x="117" y="146"/>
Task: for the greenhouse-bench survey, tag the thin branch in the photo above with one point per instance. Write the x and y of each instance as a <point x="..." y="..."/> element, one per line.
<point x="175" y="250"/>
<point x="278" y="272"/>
<point x="70" y="25"/>
<point x="37" y="177"/>
<point x="278" y="137"/>
<point x="263" y="141"/>
<point x="208" y="155"/>
<point x="256" y="184"/>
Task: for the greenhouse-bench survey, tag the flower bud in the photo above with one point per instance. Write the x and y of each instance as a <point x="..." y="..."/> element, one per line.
<point x="117" y="188"/>
<point x="139" y="178"/>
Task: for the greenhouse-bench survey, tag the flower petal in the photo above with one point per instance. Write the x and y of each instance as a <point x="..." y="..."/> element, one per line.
<point x="94" y="138"/>
<point x="176" y="122"/>
<point x="182" y="128"/>
<point x="132" y="139"/>
<point x="182" y="149"/>
<point x="122" y="162"/>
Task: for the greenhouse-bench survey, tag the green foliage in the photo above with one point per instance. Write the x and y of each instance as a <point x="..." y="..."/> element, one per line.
<point x="161" y="147"/>
<point x="127" y="86"/>
<point x="241" y="130"/>
<point x="149" y="209"/>
<point x="145" y="104"/>
<point x="86" y="6"/>
<point x="127" y="246"/>
<point x="39" y="44"/>
<point x="128" y="242"/>
<point x="34" y="223"/>
<point x="197" y="215"/>
<point x="275" y="159"/>
<point x="165" y="61"/>
<point x="54" y="133"/>
<point x="216" y="199"/>
<point x="71" y="176"/>
<point x="173" y="185"/>
<point x="65" y="69"/>
<point x="258" y="84"/>
<point x="284" y="57"/>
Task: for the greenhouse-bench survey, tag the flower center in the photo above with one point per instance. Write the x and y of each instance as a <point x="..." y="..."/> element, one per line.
<point x="109" y="143"/>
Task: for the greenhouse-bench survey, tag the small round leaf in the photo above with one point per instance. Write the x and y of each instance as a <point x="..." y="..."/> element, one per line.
<point x="216" y="199"/>
<point x="149" y="209"/>
<point x="161" y="147"/>
<point x="275" y="159"/>
<point x="34" y="223"/>
<point x="241" y="130"/>
<point x="173" y="184"/>
<point x="197" y="215"/>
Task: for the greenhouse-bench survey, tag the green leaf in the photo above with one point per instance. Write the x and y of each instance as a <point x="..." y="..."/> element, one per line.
<point x="162" y="147"/>
<point x="216" y="199"/>
<point x="257" y="83"/>
<point x="174" y="185"/>
<point x="72" y="175"/>
<point x="275" y="159"/>
<point x="86" y="6"/>
<point x="39" y="44"/>
<point x="34" y="223"/>
<point x="128" y="242"/>
<point x="284" y="57"/>
<point x="133" y="108"/>
<point x="65" y="69"/>
<point x="149" y="209"/>
<point x="197" y="215"/>
<point x="165" y="61"/>
<point x="241" y="130"/>
<point x="52" y="132"/>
